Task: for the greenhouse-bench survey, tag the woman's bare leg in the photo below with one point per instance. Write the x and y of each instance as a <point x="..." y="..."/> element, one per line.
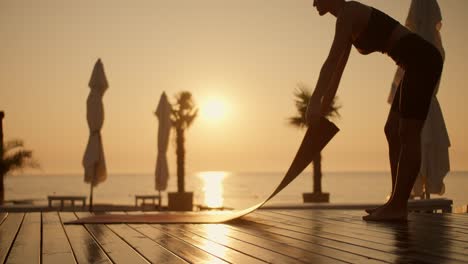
<point x="409" y="164"/>
<point x="394" y="146"/>
<point x="393" y="139"/>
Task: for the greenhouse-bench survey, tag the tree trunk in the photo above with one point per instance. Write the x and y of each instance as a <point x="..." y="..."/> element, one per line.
<point x="2" y="190"/>
<point x="317" y="164"/>
<point x="2" y="174"/>
<point x="180" y="152"/>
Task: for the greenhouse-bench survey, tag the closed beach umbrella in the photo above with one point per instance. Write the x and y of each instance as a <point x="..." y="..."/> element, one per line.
<point x="93" y="161"/>
<point x="163" y="113"/>
<point x="425" y="19"/>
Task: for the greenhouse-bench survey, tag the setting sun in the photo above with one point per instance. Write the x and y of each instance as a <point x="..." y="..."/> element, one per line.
<point x="213" y="109"/>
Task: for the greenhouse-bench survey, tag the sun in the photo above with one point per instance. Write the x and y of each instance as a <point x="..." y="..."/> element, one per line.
<point x="213" y="109"/>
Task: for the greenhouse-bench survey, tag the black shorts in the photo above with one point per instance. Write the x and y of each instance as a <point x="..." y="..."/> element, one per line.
<point x="423" y="65"/>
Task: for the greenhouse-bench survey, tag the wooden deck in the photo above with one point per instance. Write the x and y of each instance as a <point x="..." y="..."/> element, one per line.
<point x="272" y="236"/>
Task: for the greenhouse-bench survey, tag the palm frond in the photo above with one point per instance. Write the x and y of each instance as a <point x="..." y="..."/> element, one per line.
<point x="191" y="117"/>
<point x="301" y="100"/>
<point x="302" y="96"/>
<point x="297" y="122"/>
<point x="184" y="111"/>
<point x="334" y="107"/>
<point x="18" y="161"/>
<point x="12" y="145"/>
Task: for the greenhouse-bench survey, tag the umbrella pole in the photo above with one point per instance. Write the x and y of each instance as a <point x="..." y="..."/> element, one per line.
<point x="159" y="201"/>
<point x="91" y="198"/>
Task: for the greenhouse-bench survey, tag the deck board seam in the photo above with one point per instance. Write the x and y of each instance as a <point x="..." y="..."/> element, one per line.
<point x="373" y="227"/>
<point x="176" y="237"/>
<point x="244" y="229"/>
<point x="14" y="239"/>
<point x="319" y="244"/>
<point x="373" y="231"/>
<point x="41" y="243"/>
<point x="448" y="236"/>
<point x="128" y="243"/>
<point x="311" y="252"/>
<point x="432" y="219"/>
<point x="95" y="240"/>
<point x="309" y="242"/>
<point x="247" y="242"/>
<point x="418" y="253"/>
<point x="179" y="256"/>
<point x="168" y="233"/>
<point x="286" y="244"/>
<point x="336" y="241"/>
<point x="4" y="217"/>
<point x="169" y="251"/>
<point x="166" y="250"/>
<point x="66" y="235"/>
<point x="329" y="232"/>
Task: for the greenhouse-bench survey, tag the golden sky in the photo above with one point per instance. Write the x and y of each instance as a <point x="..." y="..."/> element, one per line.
<point x="243" y="57"/>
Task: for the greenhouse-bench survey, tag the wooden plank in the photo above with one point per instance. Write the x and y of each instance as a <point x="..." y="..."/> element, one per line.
<point x="228" y="254"/>
<point x="3" y="216"/>
<point x="334" y="226"/>
<point x="316" y="237"/>
<point x="55" y="245"/>
<point x="85" y="248"/>
<point x="414" y="244"/>
<point x="117" y="249"/>
<point x="333" y="232"/>
<point x="417" y="223"/>
<point x="401" y="245"/>
<point x="186" y="251"/>
<point x="372" y="234"/>
<point x="272" y="243"/>
<point x="437" y="218"/>
<point x="294" y="240"/>
<point x="458" y="220"/>
<point x="8" y="231"/>
<point x="151" y="250"/>
<point x="441" y="219"/>
<point x="220" y="236"/>
<point x="27" y="245"/>
<point x="461" y="215"/>
<point x="387" y="228"/>
<point x="353" y="220"/>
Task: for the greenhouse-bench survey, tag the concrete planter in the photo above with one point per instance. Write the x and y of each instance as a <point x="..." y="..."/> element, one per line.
<point x="180" y="201"/>
<point x="316" y="197"/>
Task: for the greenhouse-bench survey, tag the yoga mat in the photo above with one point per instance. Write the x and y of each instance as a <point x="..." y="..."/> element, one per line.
<point x="315" y="139"/>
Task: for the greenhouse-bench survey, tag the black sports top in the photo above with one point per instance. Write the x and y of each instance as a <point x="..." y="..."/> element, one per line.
<point x="375" y="36"/>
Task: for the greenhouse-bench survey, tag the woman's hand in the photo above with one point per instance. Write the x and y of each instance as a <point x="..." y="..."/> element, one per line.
<point x="314" y="110"/>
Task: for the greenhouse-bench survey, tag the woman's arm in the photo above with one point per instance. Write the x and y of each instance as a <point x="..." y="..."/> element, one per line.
<point x="332" y="69"/>
<point x="335" y="81"/>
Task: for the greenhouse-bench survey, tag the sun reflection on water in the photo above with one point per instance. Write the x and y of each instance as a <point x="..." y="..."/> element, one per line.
<point x="213" y="187"/>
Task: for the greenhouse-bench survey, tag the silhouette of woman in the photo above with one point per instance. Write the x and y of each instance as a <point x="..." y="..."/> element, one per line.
<point x="371" y="30"/>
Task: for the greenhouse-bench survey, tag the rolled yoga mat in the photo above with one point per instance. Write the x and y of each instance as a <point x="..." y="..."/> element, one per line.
<point x="315" y="139"/>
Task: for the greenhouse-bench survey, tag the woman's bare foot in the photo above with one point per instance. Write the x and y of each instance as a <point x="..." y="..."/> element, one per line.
<point x="371" y="210"/>
<point x="386" y="213"/>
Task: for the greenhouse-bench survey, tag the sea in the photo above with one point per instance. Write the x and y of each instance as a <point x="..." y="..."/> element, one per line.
<point x="235" y="190"/>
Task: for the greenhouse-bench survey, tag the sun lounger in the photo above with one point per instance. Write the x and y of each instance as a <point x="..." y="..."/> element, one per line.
<point x="63" y="199"/>
<point x="146" y="197"/>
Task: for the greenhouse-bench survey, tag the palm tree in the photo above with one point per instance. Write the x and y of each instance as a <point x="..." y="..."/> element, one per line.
<point x="13" y="157"/>
<point x="302" y="96"/>
<point x="182" y="116"/>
